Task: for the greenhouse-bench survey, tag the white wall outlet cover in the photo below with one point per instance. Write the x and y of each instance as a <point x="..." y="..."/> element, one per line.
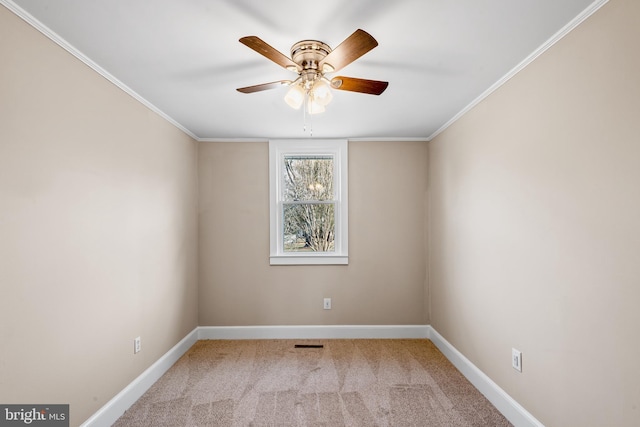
<point x="516" y="359"/>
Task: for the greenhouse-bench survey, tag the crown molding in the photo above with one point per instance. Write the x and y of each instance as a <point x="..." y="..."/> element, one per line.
<point x="232" y="139"/>
<point x="17" y="10"/>
<point x="372" y="139"/>
<point x="590" y="10"/>
<point x="53" y="36"/>
<point x="389" y="139"/>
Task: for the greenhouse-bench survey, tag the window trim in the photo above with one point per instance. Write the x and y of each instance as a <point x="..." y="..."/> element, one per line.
<point x="338" y="148"/>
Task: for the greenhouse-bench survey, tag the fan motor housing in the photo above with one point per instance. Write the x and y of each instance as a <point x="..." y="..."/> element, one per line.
<point x="308" y="54"/>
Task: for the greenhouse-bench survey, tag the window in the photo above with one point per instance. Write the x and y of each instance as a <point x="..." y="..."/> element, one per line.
<point x="308" y="192"/>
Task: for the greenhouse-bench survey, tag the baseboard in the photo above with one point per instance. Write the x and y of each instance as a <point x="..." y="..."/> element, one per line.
<point x="512" y="410"/>
<point x="112" y="410"/>
<point x="312" y="332"/>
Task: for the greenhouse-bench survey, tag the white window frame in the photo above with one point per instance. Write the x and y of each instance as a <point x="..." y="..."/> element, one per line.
<point x="338" y="149"/>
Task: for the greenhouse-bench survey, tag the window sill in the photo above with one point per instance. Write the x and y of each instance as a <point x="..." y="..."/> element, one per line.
<point x="309" y="260"/>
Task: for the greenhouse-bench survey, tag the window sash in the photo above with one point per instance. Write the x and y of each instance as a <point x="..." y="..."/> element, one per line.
<point x="304" y="149"/>
<point x="284" y="185"/>
<point x="320" y="238"/>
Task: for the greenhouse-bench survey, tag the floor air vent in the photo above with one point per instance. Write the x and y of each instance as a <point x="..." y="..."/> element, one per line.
<point x="309" y="346"/>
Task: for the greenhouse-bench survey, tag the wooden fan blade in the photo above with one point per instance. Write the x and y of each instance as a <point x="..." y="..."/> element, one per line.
<point x="264" y="86"/>
<point x="269" y="52"/>
<point x="372" y="87"/>
<point x="356" y="45"/>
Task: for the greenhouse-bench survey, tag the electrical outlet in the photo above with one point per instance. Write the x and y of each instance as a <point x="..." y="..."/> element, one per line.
<point x="136" y="345"/>
<point x="516" y="359"/>
<point x="327" y="303"/>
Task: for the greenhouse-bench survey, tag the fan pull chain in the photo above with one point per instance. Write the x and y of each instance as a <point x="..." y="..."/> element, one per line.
<point x="305" y="106"/>
<point x="304" y="113"/>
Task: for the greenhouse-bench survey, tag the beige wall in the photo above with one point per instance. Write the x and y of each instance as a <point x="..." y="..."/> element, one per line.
<point x="98" y="229"/>
<point x="532" y="219"/>
<point x="535" y="243"/>
<point x="385" y="281"/>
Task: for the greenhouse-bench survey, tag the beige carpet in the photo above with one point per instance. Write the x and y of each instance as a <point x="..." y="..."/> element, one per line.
<point x="405" y="382"/>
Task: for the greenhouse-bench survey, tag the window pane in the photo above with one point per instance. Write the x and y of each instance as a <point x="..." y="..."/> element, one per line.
<point x="308" y="178"/>
<point x="309" y="227"/>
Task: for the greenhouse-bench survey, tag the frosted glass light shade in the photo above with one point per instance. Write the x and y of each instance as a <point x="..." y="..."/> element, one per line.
<point x="295" y="96"/>
<point x="322" y="93"/>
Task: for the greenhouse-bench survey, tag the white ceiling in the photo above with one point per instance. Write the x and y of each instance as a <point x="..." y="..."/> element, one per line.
<point x="183" y="58"/>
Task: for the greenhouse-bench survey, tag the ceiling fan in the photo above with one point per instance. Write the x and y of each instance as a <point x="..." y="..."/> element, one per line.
<point x="311" y="60"/>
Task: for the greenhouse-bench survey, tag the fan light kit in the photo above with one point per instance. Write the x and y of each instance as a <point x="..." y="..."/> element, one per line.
<point x="311" y="60"/>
